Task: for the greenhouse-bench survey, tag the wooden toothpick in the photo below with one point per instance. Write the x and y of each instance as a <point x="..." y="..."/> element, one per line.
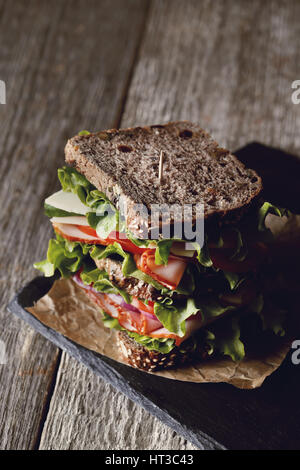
<point x="160" y="169"/>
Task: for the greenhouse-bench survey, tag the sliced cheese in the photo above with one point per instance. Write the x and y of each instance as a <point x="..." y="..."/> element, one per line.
<point x="68" y="202"/>
<point x="72" y="219"/>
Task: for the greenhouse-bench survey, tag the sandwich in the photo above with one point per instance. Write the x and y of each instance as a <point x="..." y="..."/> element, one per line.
<point x="173" y="296"/>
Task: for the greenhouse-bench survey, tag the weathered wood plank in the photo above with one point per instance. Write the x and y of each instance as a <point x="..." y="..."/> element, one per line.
<point x="227" y="65"/>
<point x="93" y="415"/>
<point x="66" y="65"/>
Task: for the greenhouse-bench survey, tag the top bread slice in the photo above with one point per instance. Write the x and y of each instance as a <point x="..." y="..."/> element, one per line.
<point x="124" y="164"/>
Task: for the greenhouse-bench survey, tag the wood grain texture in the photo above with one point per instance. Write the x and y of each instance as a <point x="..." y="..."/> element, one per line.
<point x="225" y="64"/>
<point x="66" y="65"/>
<point x="203" y="61"/>
<point x="92" y="415"/>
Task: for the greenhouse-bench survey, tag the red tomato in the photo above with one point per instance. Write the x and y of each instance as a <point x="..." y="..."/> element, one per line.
<point x="88" y="230"/>
<point x="126" y="244"/>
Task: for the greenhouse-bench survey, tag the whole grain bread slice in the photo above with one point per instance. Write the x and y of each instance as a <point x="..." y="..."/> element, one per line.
<point x="140" y="357"/>
<point x="124" y="164"/>
<point x="133" y="286"/>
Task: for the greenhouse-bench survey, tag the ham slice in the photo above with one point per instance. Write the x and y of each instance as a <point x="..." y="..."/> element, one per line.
<point x="168" y="275"/>
<point x="137" y="316"/>
<point x="192" y="324"/>
<point x="133" y="319"/>
<point x="72" y="233"/>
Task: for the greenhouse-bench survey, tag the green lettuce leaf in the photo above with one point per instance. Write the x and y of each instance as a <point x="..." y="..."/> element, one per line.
<point x="203" y="255"/>
<point x="211" y="308"/>
<point x="104" y="218"/>
<point x="268" y="208"/>
<point x="129" y="269"/>
<point x="227" y="340"/>
<point x="63" y="255"/>
<point x="272" y="315"/>
<point x="173" y="314"/>
<point x="104" y="224"/>
<point x="162" y="345"/>
<point x="138" y="241"/>
<point x="240" y="252"/>
<point x="84" y="132"/>
<point x="110" y="322"/>
<point x="234" y="279"/>
<point x="162" y="251"/>
<point x="51" y="211"/>
<point x="102" y="283"/>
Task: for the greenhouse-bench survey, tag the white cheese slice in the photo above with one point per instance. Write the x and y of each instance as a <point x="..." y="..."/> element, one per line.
<point x="72" y="219"/>
<point x="68" y="202"/>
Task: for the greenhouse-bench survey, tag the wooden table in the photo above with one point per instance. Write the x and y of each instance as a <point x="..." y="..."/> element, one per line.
<point x="70" y="65"/>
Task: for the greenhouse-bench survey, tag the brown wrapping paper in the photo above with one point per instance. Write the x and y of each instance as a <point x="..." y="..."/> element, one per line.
<point x="67" y="309"/>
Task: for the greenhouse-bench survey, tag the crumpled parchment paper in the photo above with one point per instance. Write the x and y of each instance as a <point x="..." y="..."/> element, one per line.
<point x="67" y="309"/>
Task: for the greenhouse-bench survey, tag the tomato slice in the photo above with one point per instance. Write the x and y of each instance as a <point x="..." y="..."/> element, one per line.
<point x="125" y="243"/>
<point x="113" y="237"/>
<point x="88" y="230"/>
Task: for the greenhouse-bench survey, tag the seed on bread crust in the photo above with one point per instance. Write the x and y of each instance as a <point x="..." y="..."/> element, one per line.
<point x="143" y="358"/>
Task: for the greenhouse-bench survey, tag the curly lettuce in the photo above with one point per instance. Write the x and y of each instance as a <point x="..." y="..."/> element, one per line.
<point x="129" y="268"/>
<point x="102" y="283"/>
<point x="104" y="218"/>
<point x="65" y="256"/>
<point x="227" y="340"/>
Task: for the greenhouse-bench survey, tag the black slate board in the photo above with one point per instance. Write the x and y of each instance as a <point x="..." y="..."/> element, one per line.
<point x="211" y="416"/>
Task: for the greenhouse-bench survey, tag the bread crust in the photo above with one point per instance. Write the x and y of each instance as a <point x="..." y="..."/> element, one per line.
<point x="140" y="357"/>
<point x="109" y="160"/>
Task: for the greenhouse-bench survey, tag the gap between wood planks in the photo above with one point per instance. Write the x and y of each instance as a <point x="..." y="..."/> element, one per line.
<point x="47" y="402"/>
<point x="116" y="125"/>
<point x="136" y="55"/>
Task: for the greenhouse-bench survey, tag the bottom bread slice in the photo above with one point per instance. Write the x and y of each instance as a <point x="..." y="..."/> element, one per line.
<point x="142" y="358"/>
